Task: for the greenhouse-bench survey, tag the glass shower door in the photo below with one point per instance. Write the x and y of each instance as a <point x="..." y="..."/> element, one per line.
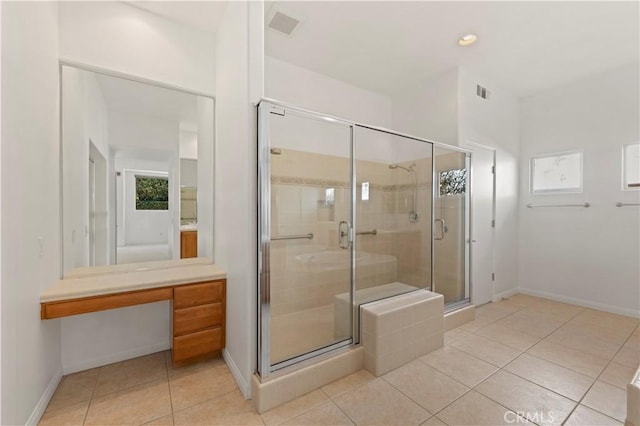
<point x="451" y="225"/>
<point x="306" y="247"/>
<point x="393" y="214"/>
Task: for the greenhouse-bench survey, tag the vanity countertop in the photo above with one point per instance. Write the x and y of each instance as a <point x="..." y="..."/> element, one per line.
<point x="131" y="277"/>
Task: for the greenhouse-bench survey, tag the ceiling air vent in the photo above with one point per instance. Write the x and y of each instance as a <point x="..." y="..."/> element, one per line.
<point x="283" y="21"/>
<point x="482" y="92"/>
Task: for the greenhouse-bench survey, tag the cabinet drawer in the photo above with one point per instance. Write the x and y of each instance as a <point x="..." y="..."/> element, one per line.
<point x="188" y="320"/>
<point x="197" y="344"/>
<point x="198" y="294"/>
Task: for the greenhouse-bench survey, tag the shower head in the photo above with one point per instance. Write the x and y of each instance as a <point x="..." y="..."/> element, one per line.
<point x="398" y="166"/>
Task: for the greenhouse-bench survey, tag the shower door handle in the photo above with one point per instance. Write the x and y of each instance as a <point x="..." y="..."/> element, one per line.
<point x="344" y="235"/>
<point x="442" y="229"/>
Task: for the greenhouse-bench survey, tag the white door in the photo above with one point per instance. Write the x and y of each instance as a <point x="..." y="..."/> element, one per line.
<point x="483" y="216"/>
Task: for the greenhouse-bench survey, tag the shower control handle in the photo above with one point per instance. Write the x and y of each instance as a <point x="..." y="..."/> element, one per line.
<point x="344" y="235"/>
<point x="443" y="227"/>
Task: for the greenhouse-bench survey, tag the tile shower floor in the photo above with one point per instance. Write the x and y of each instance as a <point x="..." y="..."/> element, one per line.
<point x="553" y="362"/>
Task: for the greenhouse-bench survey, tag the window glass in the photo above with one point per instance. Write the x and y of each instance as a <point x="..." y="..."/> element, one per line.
<point x="556" y="173"/>
<point x="152" y="193"/>
<point x="453" y="182"/>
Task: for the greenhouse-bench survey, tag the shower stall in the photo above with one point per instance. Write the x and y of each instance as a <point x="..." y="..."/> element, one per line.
<point x="350" y="214"/>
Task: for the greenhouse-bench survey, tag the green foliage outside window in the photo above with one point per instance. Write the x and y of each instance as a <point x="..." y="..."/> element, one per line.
<point x="152" y="193"/>
<point x="453" y="182"/>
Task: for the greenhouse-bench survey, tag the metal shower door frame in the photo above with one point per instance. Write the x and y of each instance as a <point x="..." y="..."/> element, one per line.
<point x="264" y="367"/>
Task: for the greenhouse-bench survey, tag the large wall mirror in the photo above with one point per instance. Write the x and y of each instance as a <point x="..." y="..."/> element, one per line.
<point x="137" y="171"/>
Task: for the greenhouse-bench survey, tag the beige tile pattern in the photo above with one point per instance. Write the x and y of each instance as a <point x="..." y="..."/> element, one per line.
<point x="125" y="374"/>
<point x="552" y="376"/>
<point x="380" y="403"/>
<point x="579" y="361"/>
<point x="325" y="414"/>
<point x="434" y="421"/>
<point x="348" y="383"/>
<point x="520" y="395"/>
<point x="618" y="375"/>
<point x="200" y="385"/>
<point x="586" y="416"/>
<point x="229" y="409"/>
<point x="522" y="354"/>
<point x="69" y="415"/>
<point x="476" y="409"/>
<point x="162" y="421"/>
<point x="75" y="388"/>
<point x="133" y="406"/>
<point x="607" y="399"/>
<point x="461" y="366"/>
<point x="492" y="352"/>
<point x="425" y="385"/>
<point x="294" y="408"/>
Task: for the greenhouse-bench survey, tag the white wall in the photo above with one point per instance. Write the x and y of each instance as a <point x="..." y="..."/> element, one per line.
<point x="430" y="110"/>
<point x="30" y="207"/>
<point x="188" y="145"/>
<point x="136" y="131"/>
<point x="446" y="109"/>
<point x="101" y="34"/>
<point x="238" y="76"/>
<point x="189" y="173"/>
<point x="84" y="120"/>
<point x="496" y="122"/>
<point x="586" y="256"/>
<point x="310" y="90"/>
<point x="150" y="144"/>
<point x="205" y="177"/>
<point x="116" y="36"/>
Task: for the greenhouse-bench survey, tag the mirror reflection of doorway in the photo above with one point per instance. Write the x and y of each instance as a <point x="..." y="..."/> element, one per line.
<point x="121" y="123"/>
<point x="145" y="212"/>
<point x="97" y="232"/>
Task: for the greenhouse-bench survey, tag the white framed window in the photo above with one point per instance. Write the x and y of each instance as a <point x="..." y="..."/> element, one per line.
<point x="631" y="166"/>
<point x="557" y="173"/>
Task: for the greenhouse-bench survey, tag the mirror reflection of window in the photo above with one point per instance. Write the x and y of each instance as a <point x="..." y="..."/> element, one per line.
<point x="453" y="182"/>
<point x="152" y="193"/>
<point x="128" y="151"/>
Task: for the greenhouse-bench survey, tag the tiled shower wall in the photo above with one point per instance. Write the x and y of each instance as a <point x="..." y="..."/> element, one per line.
<point x="401" y="251"/>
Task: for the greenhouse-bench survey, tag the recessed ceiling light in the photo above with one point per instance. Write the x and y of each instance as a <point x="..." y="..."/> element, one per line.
<point x="467" y="40"/>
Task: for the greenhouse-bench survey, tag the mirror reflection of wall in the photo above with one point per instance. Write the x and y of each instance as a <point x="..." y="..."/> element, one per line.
<point x="130" y="157"/>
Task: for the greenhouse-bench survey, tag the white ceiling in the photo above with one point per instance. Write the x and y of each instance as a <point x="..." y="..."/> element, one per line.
<point x="523" y="47"/>
<point x="203" y="15"/>
<point x="143" y="99"/>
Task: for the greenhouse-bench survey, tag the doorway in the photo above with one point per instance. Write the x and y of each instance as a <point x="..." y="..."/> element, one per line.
<point x="483" y="212"/>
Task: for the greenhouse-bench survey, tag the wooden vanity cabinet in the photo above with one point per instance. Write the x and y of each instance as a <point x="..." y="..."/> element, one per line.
<point x="198" y="320"/>
<point x="188" y="244"/>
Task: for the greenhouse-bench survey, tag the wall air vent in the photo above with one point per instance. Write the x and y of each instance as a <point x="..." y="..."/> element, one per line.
<point x="283" y="21"/>
<point x="482" y="92"/>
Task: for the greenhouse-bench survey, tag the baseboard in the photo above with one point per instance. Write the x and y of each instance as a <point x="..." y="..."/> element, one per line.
<point x="505" y="294"/>
<point x="235" y="372"/>
<point x="111" y="358"/>
<point x="582" y="302"/>
<point x="41" y="406"/>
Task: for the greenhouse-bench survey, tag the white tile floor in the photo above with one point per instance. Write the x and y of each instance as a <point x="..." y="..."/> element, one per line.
<point x="554" y="363"/>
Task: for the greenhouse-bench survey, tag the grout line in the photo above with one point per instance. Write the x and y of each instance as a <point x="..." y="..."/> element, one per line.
<point x="598" y="378"/>
<point x="93" y="393"/>
<point x="502" y="368"/>
<point x="166" y="369"/>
